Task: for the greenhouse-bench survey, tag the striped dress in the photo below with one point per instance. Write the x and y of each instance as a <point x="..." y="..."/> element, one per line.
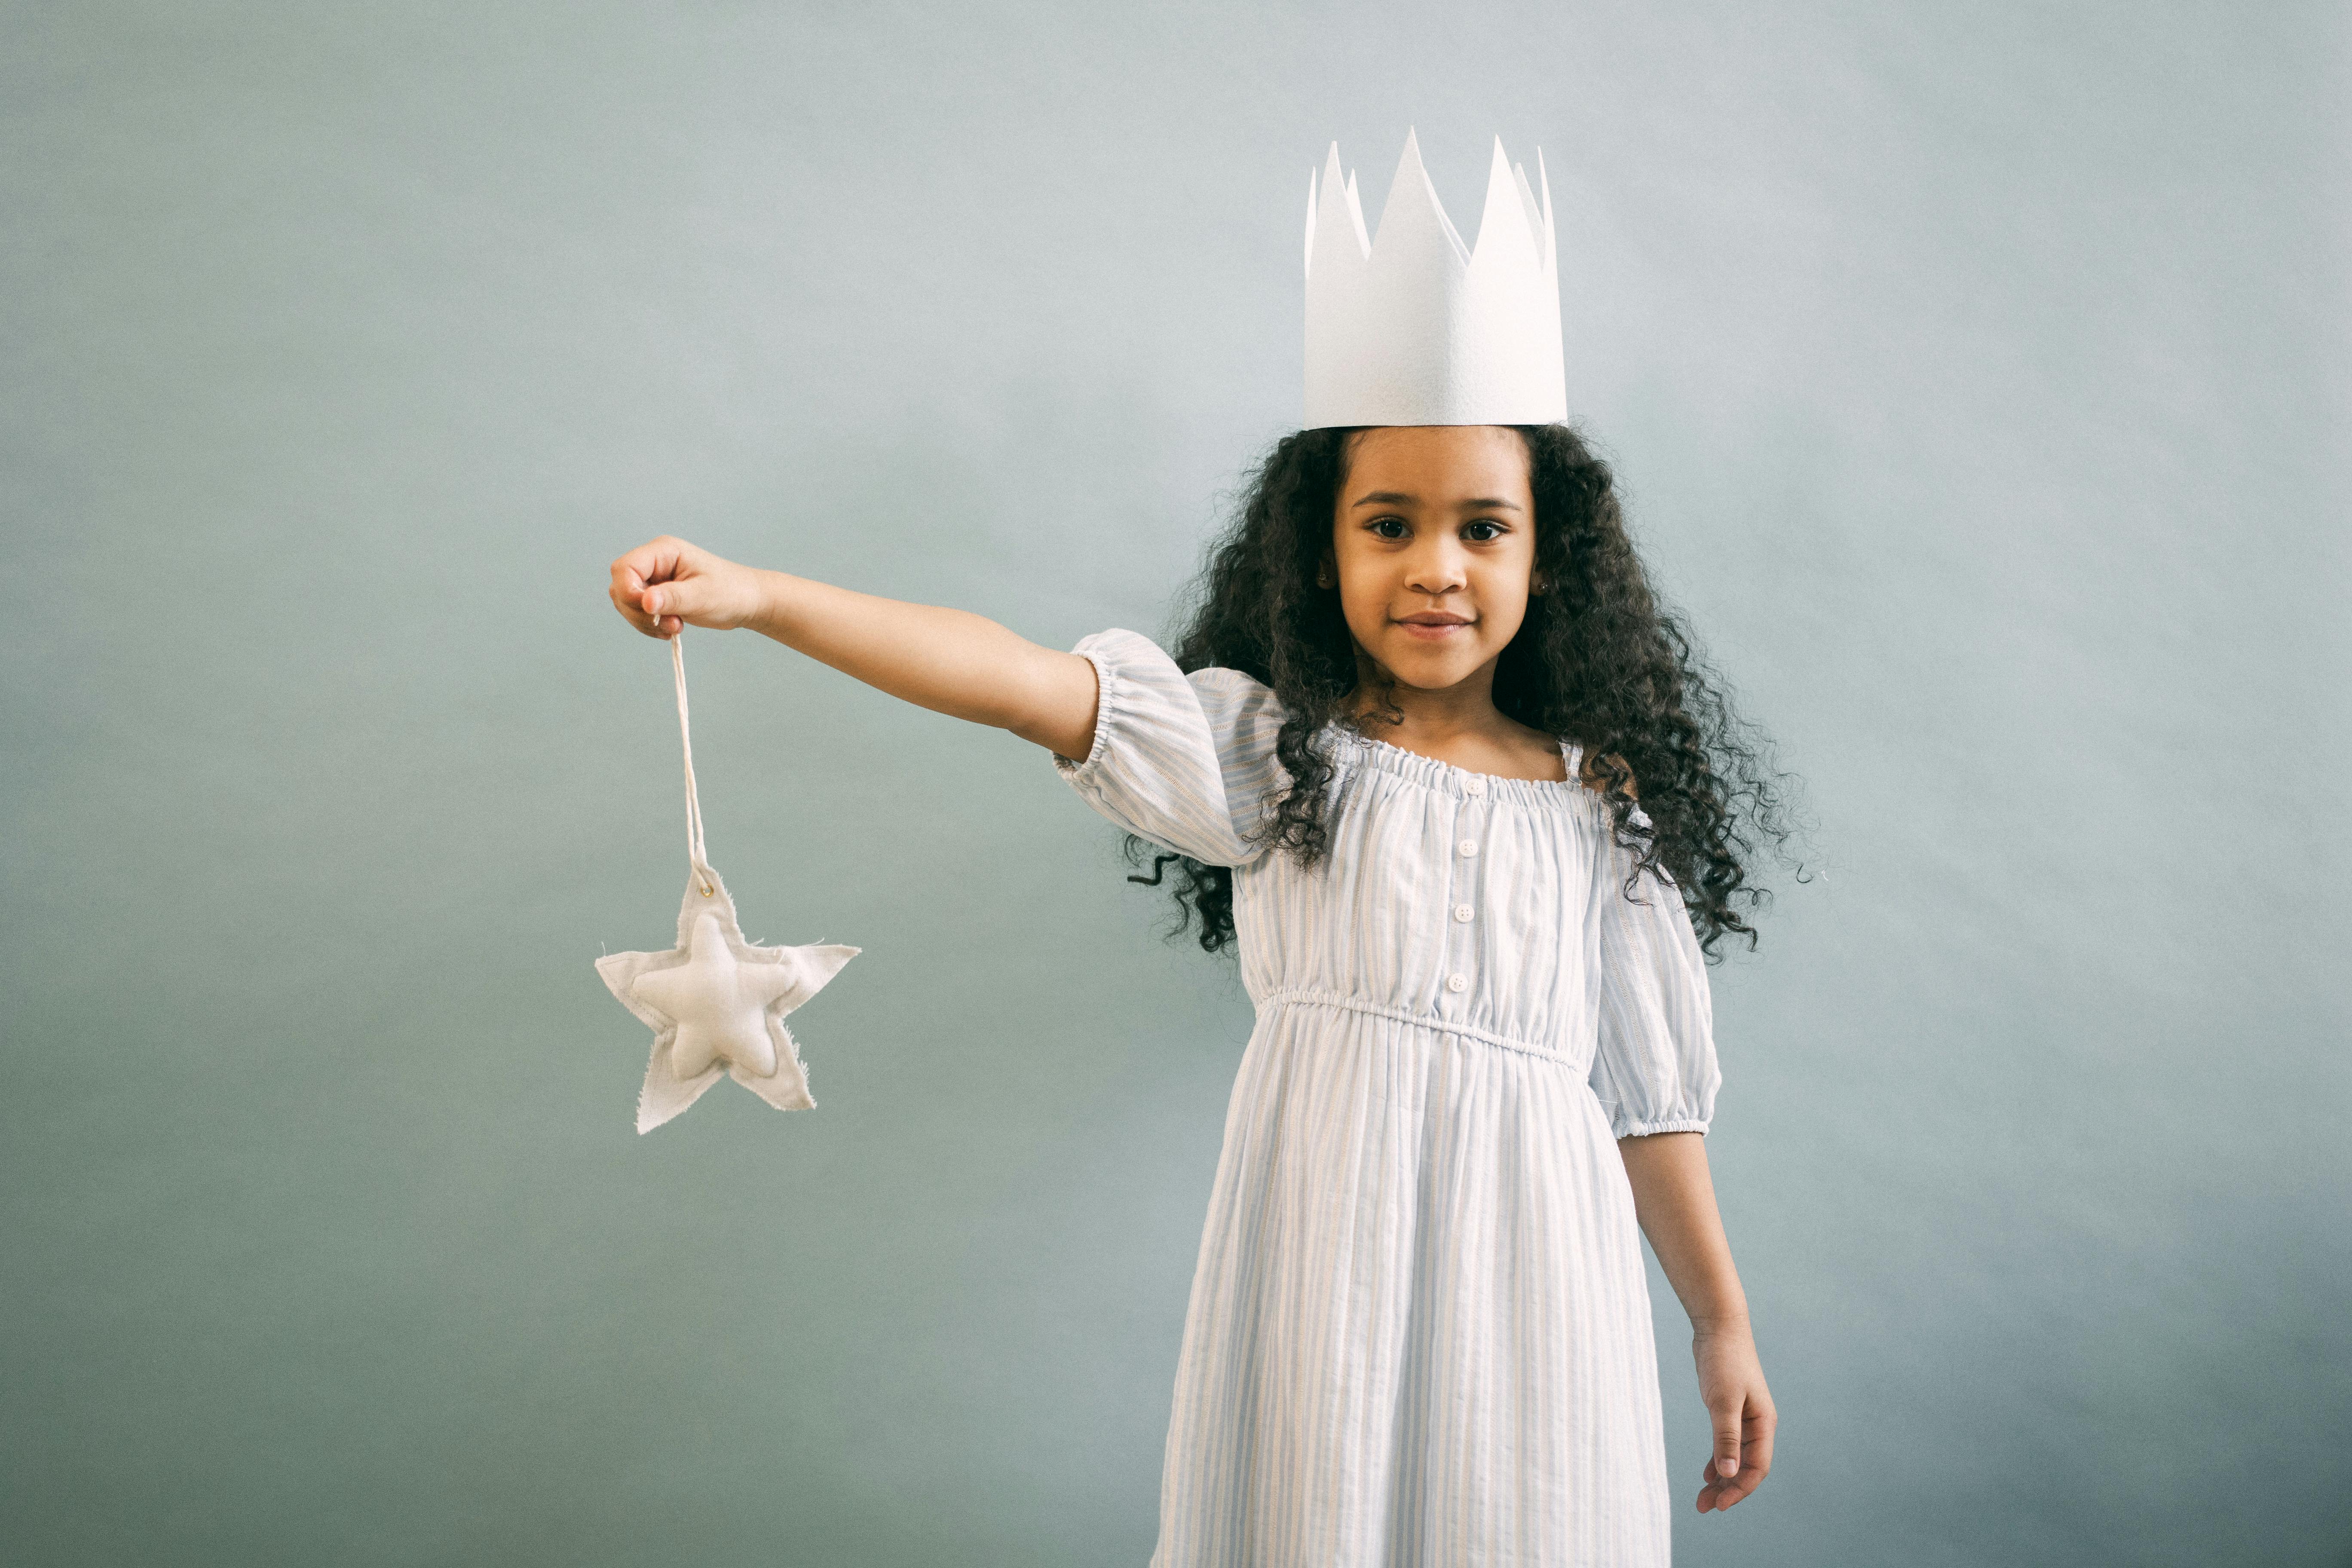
<point x="1418" y="1333"/>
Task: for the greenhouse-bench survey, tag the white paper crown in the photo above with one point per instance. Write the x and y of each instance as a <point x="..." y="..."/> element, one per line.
<point x="1414" y="328"/>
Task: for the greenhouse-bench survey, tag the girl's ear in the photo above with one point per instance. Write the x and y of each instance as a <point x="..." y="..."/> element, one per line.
<point x="1327" y="571"/>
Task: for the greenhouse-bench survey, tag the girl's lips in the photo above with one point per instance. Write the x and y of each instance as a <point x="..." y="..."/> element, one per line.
<point x="1429" y="633"/>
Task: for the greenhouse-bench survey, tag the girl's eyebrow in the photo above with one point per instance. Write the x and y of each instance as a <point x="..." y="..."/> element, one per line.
<point x="1398" y="497"/>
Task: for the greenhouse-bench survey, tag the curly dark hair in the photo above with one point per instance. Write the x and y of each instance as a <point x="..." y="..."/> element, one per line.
<point x="1598" y="660"/>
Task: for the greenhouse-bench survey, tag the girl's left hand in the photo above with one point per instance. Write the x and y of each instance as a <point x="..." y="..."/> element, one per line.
<point x="1738" y="1405"/>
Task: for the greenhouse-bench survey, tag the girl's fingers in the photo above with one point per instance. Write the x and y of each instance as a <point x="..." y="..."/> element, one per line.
<point x="629" y="597"/>
<point x="1727" y="1441"/>
<point x="672" y="604"/>
<point x="1720" y="1493"/>
<point x="655" y="561"/>
<point x="1756" y="1462"/>
<point x="1750" y="1452"/>
<point x="1717" y="1493"/>
<point x="638" y="574"/>
<point x="625" y="594"/>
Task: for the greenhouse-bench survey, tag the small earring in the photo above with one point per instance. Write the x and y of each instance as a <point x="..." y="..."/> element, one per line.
<point x="1541" y="584"/>
<point x="1323" y="580"/>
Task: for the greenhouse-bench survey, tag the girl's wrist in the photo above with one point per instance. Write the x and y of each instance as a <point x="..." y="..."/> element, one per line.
<point x="772" y="593"/>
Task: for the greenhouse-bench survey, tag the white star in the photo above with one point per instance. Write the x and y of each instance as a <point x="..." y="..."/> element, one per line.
<point x="716" y="1005"/>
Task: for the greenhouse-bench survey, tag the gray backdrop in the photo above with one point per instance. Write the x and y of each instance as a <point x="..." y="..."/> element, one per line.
<point x="1978" y="379"/>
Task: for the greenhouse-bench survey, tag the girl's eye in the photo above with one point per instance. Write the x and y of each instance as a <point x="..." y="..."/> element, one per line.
<point x="1380" y="525"/>
<point x="1484" y="522"/>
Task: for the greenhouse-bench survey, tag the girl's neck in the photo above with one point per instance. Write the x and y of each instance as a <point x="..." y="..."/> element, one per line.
<point x="1458" y="724"/>
<point x="1387" y="707"/>
<point x="1407" y="716"/>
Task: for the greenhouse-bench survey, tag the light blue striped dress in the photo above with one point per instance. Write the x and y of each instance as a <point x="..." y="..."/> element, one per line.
<point x="1419" y="1334"/>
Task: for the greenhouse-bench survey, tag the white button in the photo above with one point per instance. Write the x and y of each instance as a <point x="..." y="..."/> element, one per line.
<point x="1473" y="784"/>
<point x="1457" y="982"/>
<point x="1463" y="912"/>
<point x="1468" y="846"/>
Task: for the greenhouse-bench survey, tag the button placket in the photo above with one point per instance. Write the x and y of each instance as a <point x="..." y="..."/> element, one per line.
<point x="1469" y="827"/>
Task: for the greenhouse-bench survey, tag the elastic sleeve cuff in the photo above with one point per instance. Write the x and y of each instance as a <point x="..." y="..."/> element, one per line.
<point x="1664" y="1124"/>
<point x="1109" y="703"/>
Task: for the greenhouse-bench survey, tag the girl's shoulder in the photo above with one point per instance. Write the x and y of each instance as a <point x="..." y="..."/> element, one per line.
<point x="1240" y="682"/>
<point x="1212" y="710"/>
<point x="1243" y="711"/>
<point x="1234" y="691"/>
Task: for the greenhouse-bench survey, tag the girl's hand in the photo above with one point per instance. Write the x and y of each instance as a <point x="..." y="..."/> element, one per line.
<point x="661" y="587"/>
<point x="1731" y="1382"/>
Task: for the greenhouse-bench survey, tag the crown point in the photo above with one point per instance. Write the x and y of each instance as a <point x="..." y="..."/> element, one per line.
<point x="1413" y="203"/>
<point x="1332" y="205"/>
<point x="1505" y="237"/>
<point x="1534" y="211"/>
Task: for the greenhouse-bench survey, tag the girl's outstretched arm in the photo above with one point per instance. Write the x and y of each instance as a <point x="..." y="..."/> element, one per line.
<point x="950" y="661"/>
<point x="1674" y="1198"/>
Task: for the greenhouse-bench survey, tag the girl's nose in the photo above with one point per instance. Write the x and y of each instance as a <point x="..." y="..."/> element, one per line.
<point x="1435" y="570"/>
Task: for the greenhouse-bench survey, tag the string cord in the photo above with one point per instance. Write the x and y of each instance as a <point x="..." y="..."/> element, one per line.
<point x="694" y="851"/>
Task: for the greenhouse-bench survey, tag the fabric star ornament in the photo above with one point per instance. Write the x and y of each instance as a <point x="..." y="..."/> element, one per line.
<point x="716" y="1004"/>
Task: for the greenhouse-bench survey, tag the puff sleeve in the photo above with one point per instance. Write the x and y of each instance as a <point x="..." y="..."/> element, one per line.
<point x="1185" y="760"/>
<point x="1654" y="1068"/>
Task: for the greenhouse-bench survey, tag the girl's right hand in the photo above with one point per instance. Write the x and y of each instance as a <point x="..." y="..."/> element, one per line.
<point x="662" y="586"/>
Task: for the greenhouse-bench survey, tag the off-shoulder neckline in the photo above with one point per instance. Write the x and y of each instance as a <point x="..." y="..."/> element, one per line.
<point x="1436" y="773"/>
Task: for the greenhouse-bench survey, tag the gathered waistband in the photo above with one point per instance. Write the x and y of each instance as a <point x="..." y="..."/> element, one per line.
<point x="1308" y="997"/>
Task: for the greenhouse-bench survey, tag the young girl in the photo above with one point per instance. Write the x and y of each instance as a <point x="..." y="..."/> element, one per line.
<point x="1395" y="758"/>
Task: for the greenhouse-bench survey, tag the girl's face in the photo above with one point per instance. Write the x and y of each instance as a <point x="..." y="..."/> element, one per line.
<point x="1433" y="544"/>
